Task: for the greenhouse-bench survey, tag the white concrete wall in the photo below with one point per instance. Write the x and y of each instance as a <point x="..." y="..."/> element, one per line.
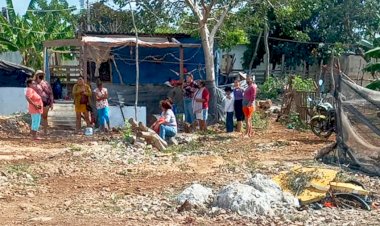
<point x="13" y="57"/>
<point x="12" y="100"/>
<point x="239" y="54"/>
<point x="116" y="118"/>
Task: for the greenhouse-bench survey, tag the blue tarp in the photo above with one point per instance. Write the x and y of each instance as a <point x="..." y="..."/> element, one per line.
<point x="156" y="63"/>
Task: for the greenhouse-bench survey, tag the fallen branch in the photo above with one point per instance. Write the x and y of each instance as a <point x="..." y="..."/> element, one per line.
<point x="325" y="150"/>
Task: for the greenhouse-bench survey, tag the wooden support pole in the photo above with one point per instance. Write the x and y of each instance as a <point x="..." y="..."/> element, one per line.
<point x="181" y="57"/>
<point x="84" y="60"/>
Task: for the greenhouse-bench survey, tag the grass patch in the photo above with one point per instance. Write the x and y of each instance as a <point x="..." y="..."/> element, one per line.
<point x="18" y="169"/>
<point x="260" y="121"/>
<point x="192" y="146"/>
<point x="293" y="121"/>
<point x="74" y="148"/>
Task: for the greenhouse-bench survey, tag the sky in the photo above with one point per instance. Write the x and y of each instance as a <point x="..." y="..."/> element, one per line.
<point x="21" y="5"/>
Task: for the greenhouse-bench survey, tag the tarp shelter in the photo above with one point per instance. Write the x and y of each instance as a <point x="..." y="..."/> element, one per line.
<point x="112" y="57"/>
<point x="358" y="126"/>
<point x="160" y="58"/>
<point x="13" y="75"/>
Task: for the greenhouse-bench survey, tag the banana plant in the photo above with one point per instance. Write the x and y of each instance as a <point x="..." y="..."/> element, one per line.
<point x="27" y="33"/>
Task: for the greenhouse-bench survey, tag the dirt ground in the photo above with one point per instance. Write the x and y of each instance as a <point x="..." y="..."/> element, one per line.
<point x="76" y="180"/>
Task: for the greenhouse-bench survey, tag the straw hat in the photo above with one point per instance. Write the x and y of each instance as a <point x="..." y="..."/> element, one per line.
<point x="243" y="75"/>
<point x="39" y="72"/>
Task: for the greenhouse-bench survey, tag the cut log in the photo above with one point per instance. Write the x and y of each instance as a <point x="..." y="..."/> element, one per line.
<point x="152" y="139"/>
<point x="148" y="134"/>
<point x="133" y="123"/>
<point x="325" y="150"/>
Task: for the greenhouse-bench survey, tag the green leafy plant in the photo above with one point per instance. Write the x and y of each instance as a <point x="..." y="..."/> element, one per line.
<point x="294" y="122"/>
<point x="306" y="85"/>
<point x="127" y="131"/>
<point x="271" y="88"/>
<point x="260" y="120"/>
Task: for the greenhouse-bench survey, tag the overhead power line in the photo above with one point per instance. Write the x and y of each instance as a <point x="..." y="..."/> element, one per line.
<point x="47" y="10"/>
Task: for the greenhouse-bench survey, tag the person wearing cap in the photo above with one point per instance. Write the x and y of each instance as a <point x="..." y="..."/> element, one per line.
<point x="249" y="104"/>
<point x="168" y="122"/>
<point x="189" y="88"/>
<point x="43" y="88"/>
<point x="229" y="109"/>
<point x="238" y="105"/>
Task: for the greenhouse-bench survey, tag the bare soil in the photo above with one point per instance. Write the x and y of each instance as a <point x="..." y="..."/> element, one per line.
<point x="67" y="179"/>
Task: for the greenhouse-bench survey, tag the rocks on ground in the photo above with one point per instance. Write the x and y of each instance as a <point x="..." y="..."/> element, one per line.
<point x="258" y="196"/>
<point x="196" y="195"/>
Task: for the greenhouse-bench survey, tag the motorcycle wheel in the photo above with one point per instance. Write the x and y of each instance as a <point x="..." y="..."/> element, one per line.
<point x="318" y="126"/>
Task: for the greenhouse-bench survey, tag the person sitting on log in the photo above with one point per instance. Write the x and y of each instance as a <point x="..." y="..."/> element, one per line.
<point x="167" y="123"/>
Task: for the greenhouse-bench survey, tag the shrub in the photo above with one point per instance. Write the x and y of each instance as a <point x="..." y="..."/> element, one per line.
<point x="306" y="85"/>
<point x="271" y="88"/>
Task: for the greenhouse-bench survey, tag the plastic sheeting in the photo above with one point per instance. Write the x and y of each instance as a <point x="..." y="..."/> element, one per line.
<point x="13" y="75"/>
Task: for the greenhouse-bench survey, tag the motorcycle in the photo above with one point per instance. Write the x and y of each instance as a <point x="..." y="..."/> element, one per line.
<point x="322" y="123"/>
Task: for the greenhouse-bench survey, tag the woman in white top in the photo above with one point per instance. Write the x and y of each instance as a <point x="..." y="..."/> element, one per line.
<point x="229" y="109"/>
<point x="168" y="127"/>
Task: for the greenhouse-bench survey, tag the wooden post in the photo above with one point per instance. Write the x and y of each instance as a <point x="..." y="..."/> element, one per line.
<point x="282" y="64"/>
<point x="181" y="57"/>
<point x="84" y="60"/>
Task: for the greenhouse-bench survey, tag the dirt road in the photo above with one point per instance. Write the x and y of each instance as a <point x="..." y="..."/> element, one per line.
<point x="76" y="180"/>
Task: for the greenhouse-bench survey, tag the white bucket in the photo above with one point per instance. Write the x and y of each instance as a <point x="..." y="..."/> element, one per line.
<point x="88" y="131"/>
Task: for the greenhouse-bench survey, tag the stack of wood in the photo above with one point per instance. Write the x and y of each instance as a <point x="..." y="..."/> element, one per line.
<point x="150" y="136"/>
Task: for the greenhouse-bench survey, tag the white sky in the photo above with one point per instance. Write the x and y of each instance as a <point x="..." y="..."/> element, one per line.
<point x="21" y="5"/>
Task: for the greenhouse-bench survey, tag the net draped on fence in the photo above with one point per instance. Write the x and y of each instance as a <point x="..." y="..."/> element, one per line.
<point x="358" y="126"/>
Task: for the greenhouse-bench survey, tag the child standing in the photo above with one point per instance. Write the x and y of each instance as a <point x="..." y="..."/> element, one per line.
<point x="229" y="109"/>
<point x="35" y="108"/>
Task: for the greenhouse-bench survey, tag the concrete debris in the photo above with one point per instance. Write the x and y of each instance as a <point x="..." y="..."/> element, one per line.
<point x="196" y="195"/>
<point x="290" y="199"/>
<point x="243" y="199"/>
<point x="267" y="186"/>
<point x="260" y="196"/>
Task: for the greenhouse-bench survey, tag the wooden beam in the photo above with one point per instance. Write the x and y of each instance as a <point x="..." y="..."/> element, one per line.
<point x="84" y="58"/>
<point x="181" y="58"/>
<point x="62" y="42"/>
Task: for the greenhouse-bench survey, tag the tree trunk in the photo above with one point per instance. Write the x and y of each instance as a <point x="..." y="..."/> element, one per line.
<point x="255" y="52"/>
<point x="208" y="50"/>
<point x="267" y="56"/>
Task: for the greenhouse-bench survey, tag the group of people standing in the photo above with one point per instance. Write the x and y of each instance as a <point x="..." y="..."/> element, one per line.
<point x="82" y="95"/>
<point x="196" y="99"/>
<point x="196" y="103"/>
<point x="40" y="98"/>
<point x="241" y="103"/>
